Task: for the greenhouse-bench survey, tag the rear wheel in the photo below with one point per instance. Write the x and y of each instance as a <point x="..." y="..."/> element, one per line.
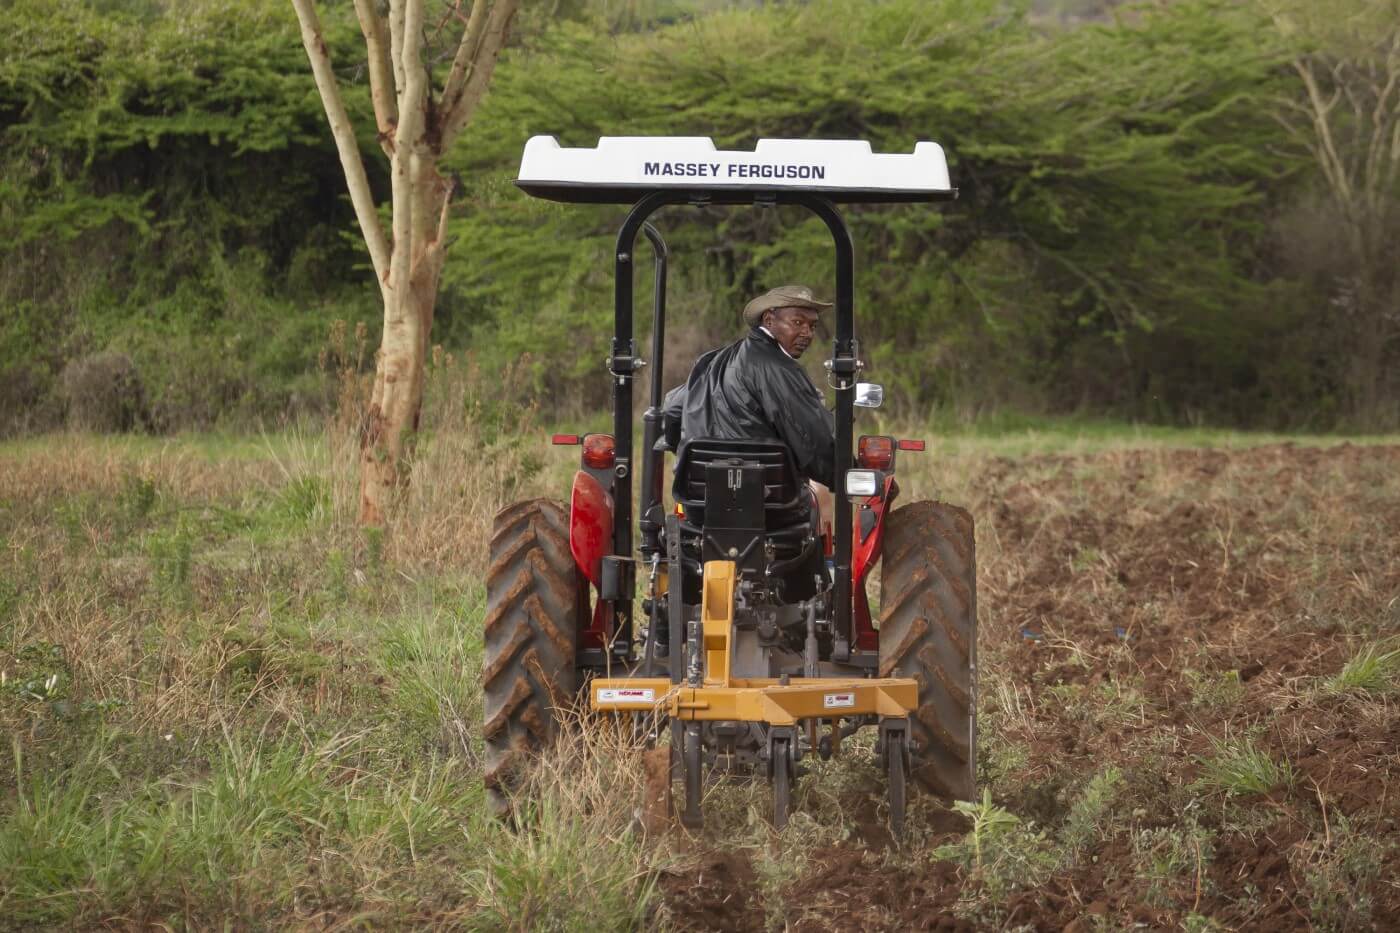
<point x="534" y="597"/>
<point x="928" y="631"/>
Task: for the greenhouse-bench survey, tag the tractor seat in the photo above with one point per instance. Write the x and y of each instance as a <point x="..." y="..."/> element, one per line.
<point x="786" y="501"/>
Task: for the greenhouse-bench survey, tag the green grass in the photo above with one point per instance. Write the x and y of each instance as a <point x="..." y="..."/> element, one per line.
<point x="210" y="838"/>
<point x="1375" y="669"/>
<point x="1240" y="766"/>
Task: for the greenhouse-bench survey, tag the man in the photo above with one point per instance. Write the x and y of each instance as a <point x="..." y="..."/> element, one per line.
<point x="754" y="388"/>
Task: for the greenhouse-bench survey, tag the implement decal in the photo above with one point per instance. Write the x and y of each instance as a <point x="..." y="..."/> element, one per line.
<point x="626" y="695"/>
<point x="734" y="170"/>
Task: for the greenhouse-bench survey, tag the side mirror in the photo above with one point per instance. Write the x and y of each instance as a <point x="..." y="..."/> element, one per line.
<point x="869" y="395"/>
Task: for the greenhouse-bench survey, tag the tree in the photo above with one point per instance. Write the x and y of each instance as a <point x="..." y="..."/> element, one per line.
<point x="416" y="126"/>
<point x="1347" y="117"/>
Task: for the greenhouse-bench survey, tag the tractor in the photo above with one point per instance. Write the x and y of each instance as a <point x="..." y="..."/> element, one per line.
<point x="756" y="644"/>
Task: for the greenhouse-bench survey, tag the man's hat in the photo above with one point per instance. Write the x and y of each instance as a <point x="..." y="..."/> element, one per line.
<point x="784" y="296"/>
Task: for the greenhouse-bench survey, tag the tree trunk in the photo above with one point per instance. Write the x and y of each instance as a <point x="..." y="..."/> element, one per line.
<point x="415" y="128"/>
<point x="386" y="446"/>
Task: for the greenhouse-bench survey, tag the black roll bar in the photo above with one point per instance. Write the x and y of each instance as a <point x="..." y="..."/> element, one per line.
<point x="623" y="364"/>
<point x="652" y="518"/>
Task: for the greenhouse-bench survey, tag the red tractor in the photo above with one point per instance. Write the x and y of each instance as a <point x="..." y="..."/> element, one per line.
<point x="756" y="644"/>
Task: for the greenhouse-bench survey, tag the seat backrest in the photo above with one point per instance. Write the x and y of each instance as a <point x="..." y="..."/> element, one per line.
<point x="781" y="491"/>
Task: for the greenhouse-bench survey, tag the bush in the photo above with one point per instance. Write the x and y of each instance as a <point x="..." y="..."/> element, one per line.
<point x="103" y="392"/>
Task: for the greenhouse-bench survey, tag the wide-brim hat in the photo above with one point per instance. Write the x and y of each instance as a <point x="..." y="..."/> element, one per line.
<point x="784" y="296"/>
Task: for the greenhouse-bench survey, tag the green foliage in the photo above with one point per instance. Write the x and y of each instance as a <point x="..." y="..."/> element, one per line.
<point x="1373" y="670"/>
<point x="1090" y="811"/>
<point x="434" y="663"/>
<point x="193" y="843"/>
<point x="1107" y="177"/>
<point x="37" y="673"/>
<point x="1214" y="690"/>
<point x="1171" y="860"/>
<point x="169" y="191"/>
<point x="1241" y="767"/>
<point x="989" y="823"/>
<point x="1005" y="854"/>
<point x="1340" y="872"/>
<point x="558" y="874"/>
<point x="305" y="499"/>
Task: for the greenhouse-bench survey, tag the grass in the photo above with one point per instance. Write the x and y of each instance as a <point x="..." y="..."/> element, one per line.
<point x="221" y="703"/>
<point x="1375" y="669"/>
<point x="1241" y="767"/>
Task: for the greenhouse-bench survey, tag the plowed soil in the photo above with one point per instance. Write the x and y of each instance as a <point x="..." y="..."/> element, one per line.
<point x="1149" y="613"/>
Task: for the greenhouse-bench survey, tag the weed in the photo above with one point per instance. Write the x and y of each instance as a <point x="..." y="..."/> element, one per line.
<point x="1171" y="861"/>
<point x="172" y="555"/>
<point x="1090" y="811"/>
<point x="989" y="823"/>
<point x="374" y="547"/>
<point x="1085" y="559"/>
<point x="213" y="790"/>
<point x="209" y="844"/>
<point x="1372" y="670"/>
<point x="337" y="570"/>
<point x="1339" y="874"/>
<point x="1241" y="767"/>
<point x="38" y="672"/>
<point x="1197" y="923"/>
<point x="1113" y="702"/>
<point x="9" y="598"/>
<point x="1214" y="691"/>
<point x="1001" y="851"/>
<point x="137" y="499"/>
<point x="999" y="755"/>
<point x="305" y="499"/>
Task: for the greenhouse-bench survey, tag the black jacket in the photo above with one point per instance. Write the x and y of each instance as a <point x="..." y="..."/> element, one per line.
<point x="752" y="390"/>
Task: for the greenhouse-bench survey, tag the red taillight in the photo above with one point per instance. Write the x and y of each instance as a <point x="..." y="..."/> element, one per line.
<point x="599" y="451"/>
<point x="875" y="453"/>
<point x="907" y="444"/>
<point x="566" y="440"/>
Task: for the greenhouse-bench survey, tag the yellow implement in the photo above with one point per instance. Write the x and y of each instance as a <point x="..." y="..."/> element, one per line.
<point x="721" y="697"/>
<point x="759" y="699"/>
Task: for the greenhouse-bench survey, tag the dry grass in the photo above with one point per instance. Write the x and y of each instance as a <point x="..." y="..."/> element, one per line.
<point x="223" y="702"/>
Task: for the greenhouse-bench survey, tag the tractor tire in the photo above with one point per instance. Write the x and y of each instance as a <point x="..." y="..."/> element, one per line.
<point x="534" y="597"/>
<point x="928" y="631"/>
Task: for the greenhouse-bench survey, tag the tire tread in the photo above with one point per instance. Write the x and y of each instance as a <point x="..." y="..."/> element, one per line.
<point x="928" y="632"/>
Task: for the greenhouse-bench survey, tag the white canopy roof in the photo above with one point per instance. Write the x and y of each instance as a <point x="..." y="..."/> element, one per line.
<point x="622" y="169"/>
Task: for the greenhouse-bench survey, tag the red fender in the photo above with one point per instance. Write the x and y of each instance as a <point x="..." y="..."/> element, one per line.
<point x="590" y="525"/>
<point x="590" y="538"/>
<point x="865" y="554"/>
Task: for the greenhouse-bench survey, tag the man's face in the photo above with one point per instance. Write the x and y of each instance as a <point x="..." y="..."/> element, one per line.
<point x="793" y="328"/>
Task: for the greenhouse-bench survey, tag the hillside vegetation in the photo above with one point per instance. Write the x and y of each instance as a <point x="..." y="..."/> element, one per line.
<point x="1138" y="232"/>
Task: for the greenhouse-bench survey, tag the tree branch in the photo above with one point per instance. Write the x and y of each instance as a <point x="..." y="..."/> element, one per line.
<point x="1332" y="164"/>
<point x="479" y="69"/>
<point x="440" y="238"/>
<point x="346" y="144"/>
<point x="381" y="71"/>
<point x="465" y="58"/>
<point x="396" y="17"/>
<point x="408" y="137"/>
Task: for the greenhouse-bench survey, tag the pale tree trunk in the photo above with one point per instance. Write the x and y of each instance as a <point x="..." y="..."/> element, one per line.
<point x="416" y="126"/>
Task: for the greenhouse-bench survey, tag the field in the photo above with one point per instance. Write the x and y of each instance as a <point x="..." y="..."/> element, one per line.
<point x="225" y="706"/>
